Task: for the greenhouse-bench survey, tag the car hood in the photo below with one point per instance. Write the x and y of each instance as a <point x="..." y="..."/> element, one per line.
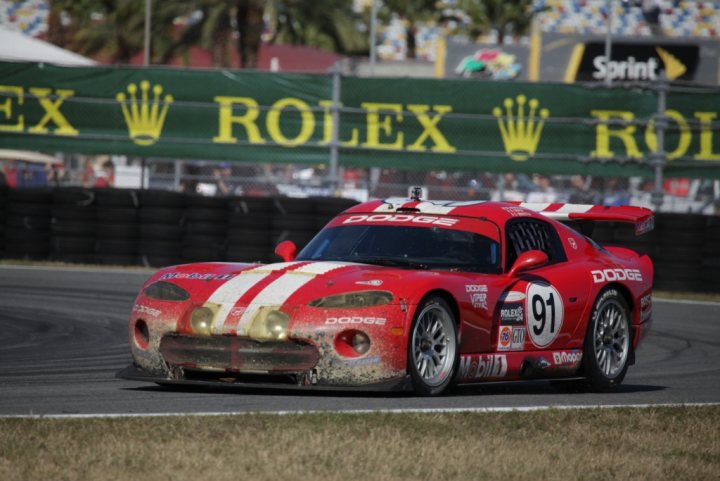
<point x="285" y="283"/>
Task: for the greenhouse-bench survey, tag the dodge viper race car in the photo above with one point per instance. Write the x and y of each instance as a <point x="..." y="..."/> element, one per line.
<point x="408" y="295"/>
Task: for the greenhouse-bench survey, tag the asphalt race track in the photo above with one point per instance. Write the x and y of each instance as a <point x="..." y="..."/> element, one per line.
<point x="63" y="337"/>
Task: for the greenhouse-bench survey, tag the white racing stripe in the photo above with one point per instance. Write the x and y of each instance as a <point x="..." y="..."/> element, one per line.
<point x="230" y="292"/>
<point x="432" y="208"/>
<point x="278" y="291"/>
<point x="391" y="205"/>
<point x="443" y="207"/>
<point x="537" y="207"/>
<point x="464" y="203"/>
<point x="574" y="208"/>
<point x="560" y="214"/>
<point x="479" y="410"/>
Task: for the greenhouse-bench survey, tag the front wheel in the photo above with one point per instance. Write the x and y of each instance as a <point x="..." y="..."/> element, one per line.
<point x="433" y="351"/>
<point x="607" y="342"/>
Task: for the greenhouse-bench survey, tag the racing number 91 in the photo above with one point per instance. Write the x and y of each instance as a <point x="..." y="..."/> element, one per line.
<point x="540" y="313"/>
<point x="546" y="313"/>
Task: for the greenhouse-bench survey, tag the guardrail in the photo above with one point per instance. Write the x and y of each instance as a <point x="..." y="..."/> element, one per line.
<point x="158" y="228"/>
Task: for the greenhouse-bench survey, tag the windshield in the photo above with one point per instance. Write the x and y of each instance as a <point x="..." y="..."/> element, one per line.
<point x="404" y="246"/>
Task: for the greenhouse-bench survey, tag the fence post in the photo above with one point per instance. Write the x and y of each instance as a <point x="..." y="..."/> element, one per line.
<point x="332" y="177"/>
<point x="658" y="158"/>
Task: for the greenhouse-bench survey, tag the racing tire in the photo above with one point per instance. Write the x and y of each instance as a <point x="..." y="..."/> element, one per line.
<point x="73" y="213"/>
<point x="152" y="215"/>
<point x="73" y="196"/>
<point x="158" y="198"/>
<point x="608" y="343"/>
<point x="117" y="198"/>
<point x="433" y="349"/>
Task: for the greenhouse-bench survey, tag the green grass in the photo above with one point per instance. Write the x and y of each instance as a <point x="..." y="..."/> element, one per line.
<point x="679" y="443"/>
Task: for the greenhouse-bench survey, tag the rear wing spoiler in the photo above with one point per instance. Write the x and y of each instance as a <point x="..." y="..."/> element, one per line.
<point x="641" y="217"/>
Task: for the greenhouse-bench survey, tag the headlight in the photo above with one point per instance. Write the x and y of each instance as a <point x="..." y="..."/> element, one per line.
<point x="277" y="324"/>
<point x="354" y="299"/>
<point x="166" y="291"/>
<point x="269" y="324"/>
<point x="201" y="320"/>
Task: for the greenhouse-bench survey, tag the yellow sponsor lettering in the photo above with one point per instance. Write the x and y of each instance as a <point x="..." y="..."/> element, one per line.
<point x="307" y="122"/>
<point x="431" y="130"/>
<point x="328" y="126"/>
<point x="226" y="119"/>
<point x="683" y="141"/>
<point x="11" y="94"/>
<point x="52" y="112"/>
<point x="706" y="136"/>
<point x="603" y="133"/>
<point x="379" y="120"/>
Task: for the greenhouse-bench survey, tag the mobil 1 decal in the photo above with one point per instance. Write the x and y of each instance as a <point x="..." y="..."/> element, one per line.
<point x="544" y="313"/>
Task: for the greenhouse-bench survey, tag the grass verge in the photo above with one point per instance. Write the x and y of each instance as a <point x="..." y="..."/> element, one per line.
<point x="674" y="443"/>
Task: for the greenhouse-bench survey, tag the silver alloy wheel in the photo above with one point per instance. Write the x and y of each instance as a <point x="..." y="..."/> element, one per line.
<point x="434" y="344"/>
<point x="612" y="338"/>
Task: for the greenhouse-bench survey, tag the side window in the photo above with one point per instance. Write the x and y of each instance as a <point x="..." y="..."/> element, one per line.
<point x="524" y="235"/>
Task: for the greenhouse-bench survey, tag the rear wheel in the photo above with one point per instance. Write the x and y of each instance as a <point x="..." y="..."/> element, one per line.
<point x="607" y="342"/>
<point x="433" y="347"/>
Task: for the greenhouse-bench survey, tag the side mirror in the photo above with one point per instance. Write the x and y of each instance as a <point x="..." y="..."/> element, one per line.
<point x="287" y="250"/>
<point x="528" y="260"/>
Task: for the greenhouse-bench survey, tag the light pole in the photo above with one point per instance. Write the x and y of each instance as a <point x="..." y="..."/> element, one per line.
<point x="608" y="40"/>
<point x="146" y="46"/>
<point x="373" y="35"/>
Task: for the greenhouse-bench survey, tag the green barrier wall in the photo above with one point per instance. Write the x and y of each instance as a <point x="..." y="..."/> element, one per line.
<point x="398" y="123"/>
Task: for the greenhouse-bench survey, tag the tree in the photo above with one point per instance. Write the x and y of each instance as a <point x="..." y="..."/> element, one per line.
<point x="250" y="26"/>
<point x="114" y="29"/>
<point x="505" y="16"/>
<point x="327" y="24"/>
<point x="111" y="29"/>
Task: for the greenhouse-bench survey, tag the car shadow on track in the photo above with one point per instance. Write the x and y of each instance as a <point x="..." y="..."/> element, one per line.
<point x="540" y="388"/>
<point x="487" y="389"/>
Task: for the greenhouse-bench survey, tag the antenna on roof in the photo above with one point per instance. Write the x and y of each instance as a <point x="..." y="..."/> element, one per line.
<point x="416" y="193"/>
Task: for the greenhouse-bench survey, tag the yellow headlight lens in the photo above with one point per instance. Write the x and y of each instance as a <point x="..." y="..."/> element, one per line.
<point x="201" y="320"/>
<point x="269" y="324"/>
<point x="277" y="324"/>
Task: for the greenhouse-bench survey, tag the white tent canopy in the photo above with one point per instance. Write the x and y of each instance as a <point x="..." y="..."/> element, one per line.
<point x="18" y="47"/>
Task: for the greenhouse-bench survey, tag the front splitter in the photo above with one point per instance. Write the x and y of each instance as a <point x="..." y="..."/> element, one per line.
<point x="135" y="373"/>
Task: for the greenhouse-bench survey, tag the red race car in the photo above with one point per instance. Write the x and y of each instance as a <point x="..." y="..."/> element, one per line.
<point x="407" y="294"/>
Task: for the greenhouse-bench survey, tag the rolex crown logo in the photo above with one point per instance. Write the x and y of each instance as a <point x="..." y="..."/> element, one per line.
<point x="521" y="134"/>
<point x="144" y="116"/>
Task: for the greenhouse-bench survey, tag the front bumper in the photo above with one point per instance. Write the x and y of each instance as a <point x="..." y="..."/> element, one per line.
<point x="190" y="377"/>
<point x="315" y="351"/>
<point x="236" y="354"/>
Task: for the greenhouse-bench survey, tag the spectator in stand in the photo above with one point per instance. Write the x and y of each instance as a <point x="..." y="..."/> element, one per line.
<point x="615" y="192"/>
<point x="223" y="175"/>
<point x="56" y="174"/>
<point x="87" y="176"/>
<point x="10" y="172"/>
<point x="545" y="192"/>
<point x="580" y="192"/>
<point x="651" y="10"/>
<point x="31" y="175"/>
<point x="107" y="177"/>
